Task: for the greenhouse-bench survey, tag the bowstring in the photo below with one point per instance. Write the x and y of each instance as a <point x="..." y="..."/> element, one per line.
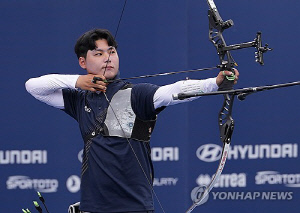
<point x="131" y="147"/>
<point x="116" y="33"/>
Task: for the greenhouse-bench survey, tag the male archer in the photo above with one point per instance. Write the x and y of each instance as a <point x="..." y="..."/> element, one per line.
<point x="116" y="119"/>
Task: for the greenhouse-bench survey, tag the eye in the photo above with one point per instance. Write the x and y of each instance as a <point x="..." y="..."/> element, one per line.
<point x="99" y="54"/>
<point x="113" y="51"/>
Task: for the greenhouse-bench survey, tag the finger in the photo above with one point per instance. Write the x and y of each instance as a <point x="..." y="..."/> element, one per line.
<point x="99" y="87"/>
<point x="99" y="78"/>
<point x="227" y="73"/>
<point x="92" y="89"/>
<point x="96" y="79"/>
<point x="96" y="89"/>
<point x="236" y="79"/>
<point x="236" y="72"/>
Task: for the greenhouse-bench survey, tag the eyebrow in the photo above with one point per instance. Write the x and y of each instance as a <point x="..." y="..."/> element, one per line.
<point x="109" y="48"/>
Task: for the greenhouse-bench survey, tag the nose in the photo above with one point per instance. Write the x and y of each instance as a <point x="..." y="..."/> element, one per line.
<point x="107" y="58"/>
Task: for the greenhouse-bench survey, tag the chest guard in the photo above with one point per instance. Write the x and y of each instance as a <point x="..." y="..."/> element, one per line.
<point x="121" y="121"/>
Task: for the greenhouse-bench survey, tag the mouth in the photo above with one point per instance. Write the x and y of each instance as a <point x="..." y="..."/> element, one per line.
<point x="107" y="67"/>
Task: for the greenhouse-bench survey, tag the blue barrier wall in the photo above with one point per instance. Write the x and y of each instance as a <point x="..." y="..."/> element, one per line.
<point x="40" y="147"/>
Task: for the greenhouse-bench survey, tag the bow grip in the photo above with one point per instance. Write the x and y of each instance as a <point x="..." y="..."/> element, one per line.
<point x="227" y="83"/>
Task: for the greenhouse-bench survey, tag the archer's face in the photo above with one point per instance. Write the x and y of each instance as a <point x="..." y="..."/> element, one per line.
<point x="103" y="60"/>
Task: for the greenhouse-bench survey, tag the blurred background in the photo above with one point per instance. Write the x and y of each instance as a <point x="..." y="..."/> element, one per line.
<point x="41" y="148"/>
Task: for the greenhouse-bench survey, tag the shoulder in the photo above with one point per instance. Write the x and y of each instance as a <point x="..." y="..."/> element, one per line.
<point x="144" y="88"/>
<point x="142" y="100"/>
<point x="72" y="92"/>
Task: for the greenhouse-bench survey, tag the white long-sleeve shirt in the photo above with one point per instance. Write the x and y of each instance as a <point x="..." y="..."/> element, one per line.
<point x="48" y="89"/>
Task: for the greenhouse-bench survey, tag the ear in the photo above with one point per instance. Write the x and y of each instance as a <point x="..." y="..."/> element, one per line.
<point x="82" y="62"/>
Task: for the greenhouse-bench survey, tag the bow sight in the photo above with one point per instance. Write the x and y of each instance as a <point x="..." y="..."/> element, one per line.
<point x="216" y="28"/>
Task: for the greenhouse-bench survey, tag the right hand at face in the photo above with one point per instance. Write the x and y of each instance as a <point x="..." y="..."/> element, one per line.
<point x="85" y="82"/>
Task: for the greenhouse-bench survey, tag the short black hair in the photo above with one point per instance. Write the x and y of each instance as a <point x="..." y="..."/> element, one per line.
<point x="87" y="41"/>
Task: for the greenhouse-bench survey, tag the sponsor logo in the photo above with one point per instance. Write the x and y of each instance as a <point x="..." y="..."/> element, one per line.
<point x="165" y="181"/>
<point x="209" y="152"/>
<point x="274" y="177"/>
<point x="157" y="154"/>
<point x="212" y="152"/>
<point x="23" y="157"/>
<point x="225" y="180"/>
<point x="24" y="182"/>
<point x="165" y="154"/>
<point x="73" y="183"/>
<point x="80" y="155"/>
<point x="87" y="109"/>
<point x="197" y="195"/>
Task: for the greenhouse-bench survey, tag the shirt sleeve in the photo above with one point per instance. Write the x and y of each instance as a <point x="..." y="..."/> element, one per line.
<point x="48" y="88"/>
<point x="164" y="95"/>
<point x="72" y="101"/>
<point x="142" y="101"/>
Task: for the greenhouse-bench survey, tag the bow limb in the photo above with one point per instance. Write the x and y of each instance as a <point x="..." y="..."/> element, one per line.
<point x="215" y="178"/>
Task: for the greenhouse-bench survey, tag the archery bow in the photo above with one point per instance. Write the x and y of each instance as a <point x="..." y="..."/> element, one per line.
<point x="226" y="122"/>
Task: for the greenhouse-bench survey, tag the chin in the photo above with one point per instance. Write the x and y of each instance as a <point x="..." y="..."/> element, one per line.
<point x="95" y="72"/>
<point x="110" y="75"/>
